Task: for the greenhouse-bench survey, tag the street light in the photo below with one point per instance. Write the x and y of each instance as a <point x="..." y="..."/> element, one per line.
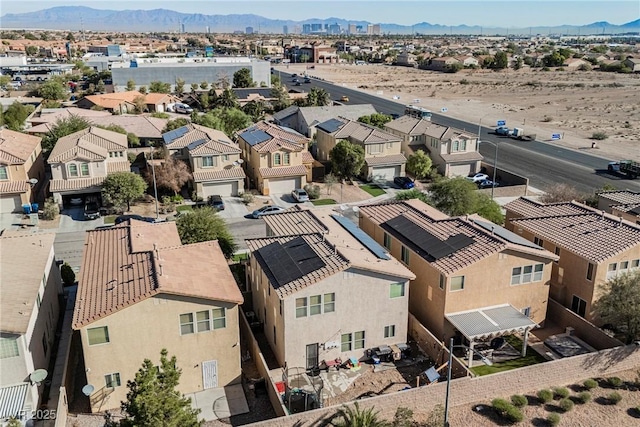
<point x="446" y="401"/>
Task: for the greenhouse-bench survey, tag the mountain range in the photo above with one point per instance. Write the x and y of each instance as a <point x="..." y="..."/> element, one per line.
<point x="75" y="18"/>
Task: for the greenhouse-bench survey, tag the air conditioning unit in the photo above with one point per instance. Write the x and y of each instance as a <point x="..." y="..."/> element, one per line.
<point x="569" y="331"/>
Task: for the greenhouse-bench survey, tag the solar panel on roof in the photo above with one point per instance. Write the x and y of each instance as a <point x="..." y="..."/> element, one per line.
<point x="432" y="246"/>
<point x="506" y="234"/>
<point x="174" y="134"/>
<point x="290" y="261"/>
<point x="362" y="237"/>
<point x="330" y="125"/>
<point x="635" y="210"/>
<point x="255" y="136"/>
<point x="196" y="144"/>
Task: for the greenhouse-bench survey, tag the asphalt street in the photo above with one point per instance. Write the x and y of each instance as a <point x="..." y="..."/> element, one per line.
<point x="68" y="248"/>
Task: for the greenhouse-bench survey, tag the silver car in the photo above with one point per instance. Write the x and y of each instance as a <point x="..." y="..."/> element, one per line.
<point x="266" y="210"/>
<point x="299" y="195"/>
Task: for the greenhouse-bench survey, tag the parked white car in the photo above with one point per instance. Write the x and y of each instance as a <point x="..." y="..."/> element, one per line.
<point x="182" y="108"/>
<point x="478" y="177"/>
<point x="299" y="195"/>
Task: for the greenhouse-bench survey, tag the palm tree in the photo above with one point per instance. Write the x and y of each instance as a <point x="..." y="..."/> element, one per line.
<point x="356" y="417"/>
<point x="227" y="99"/>
<point x="318" y="97"/>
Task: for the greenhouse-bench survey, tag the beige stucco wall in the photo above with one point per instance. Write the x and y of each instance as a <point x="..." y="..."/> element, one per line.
<point x="142" y="330"/>
<point x="220" y="164"/>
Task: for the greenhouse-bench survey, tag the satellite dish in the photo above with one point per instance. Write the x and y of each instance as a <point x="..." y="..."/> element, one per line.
<point x="236" y="163"/>
<point x="33" y="181"/>
<point x="240" y="161"/>
<point x="38" y="376"/>
<point x="87" y="390"/>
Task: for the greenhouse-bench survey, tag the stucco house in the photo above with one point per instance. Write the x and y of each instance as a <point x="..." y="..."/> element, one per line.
<point x="276" y="158"/>
<point x="305" y="119"/>
<point x="382" y="150"/>
<point x="29" y="311"/>
<point x="138" y="295"/>
<point x="21" y="169"/>
<point x="213" y="157"/>
<point x="125" y="102"/>
<point x="80" y="162"/>
<point x="307" y="276"/>
<point x="474" y="279"/>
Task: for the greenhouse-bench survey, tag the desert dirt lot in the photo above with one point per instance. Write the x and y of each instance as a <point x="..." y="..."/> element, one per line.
<point x="573" y="103"/>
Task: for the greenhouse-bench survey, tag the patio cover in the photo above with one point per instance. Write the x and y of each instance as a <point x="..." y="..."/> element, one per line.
<point x="490" y="322"/>
<point x="12" y="400"/>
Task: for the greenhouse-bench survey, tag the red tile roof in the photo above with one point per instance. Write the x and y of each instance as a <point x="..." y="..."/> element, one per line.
<point x="530" y="208"/>
<point x="13" y="187"/>
<point x="16" y="147"/>
<point x="283" y="171"/>
<point x="59" y="185"/>
<point x="392" y="159"/>
<point x="218" y="175"/>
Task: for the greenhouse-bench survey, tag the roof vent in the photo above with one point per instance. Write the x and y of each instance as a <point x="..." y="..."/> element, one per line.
<point x="620" y="223"/>
<point x="602" y="215"/>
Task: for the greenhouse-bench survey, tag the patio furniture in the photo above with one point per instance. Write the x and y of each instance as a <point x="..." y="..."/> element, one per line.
<point x="327" y="364"/>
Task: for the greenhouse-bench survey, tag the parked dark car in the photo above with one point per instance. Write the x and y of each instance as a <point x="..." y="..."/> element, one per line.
<point x="123" y="218"/>
<point x="91" y="210"/>
<point x="216" y="202"/>
<point x="487" y="183"/>
<point x="403" y="182"/>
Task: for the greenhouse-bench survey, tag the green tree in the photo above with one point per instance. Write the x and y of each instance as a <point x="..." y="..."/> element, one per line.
<point x="419" y="164"/>
<point x="205" y="224"/>
<point x="347" y="159"/>
<point x="488" y="208"/>
<point x="377" y="119"/>
<point x="131" y="85"/>
<point x="133" y="140"/>
<point x="500" y="61"/>
<point x="620" y="304"/>
<point x="553" y="60"/>
<point x="227" y="99"/>
<point x="100" y="86"/>
<point x="194" y="87"/>
<point x="204" y="85"/>
<point x="348" y="416"/>
<point x="153" y="400"/>
<point x="122" y="188"/>
<point x="142" y="90"/>
<point x="280" y="97"/>
<point x="68" y="276"/>
<point x="63" y="127"/>
<point x="16" y="114"/>
<point x="414" y="193"/>
<point x="70" y="37"/>
<point x="228" y="120"/>
<point x="175" y="124"/>
<point x="180" y="86"/>
<point x="318" y="97"/>
<point x="4" y="80"/>
<point x="52" y="89"/>
<point x="159" y="87"/>
<point x="31" y="50"/>
<point x="172" y="174"/>
<point x="242" y="78"/>
<point x="455" y="196"/>
<point x="254" y="109"/>
<point x="518" y="64"/>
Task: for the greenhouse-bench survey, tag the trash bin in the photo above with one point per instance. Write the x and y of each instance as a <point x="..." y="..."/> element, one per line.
<point x="26" y="209"/>
<point x="34" y="208"/>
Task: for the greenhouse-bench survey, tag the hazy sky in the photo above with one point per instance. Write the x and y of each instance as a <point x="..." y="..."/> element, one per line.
<point x="507" y="13"/>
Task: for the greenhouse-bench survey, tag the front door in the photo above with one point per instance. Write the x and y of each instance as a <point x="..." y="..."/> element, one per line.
<point x="210" y="374"/>
<point x="312" y="355"/>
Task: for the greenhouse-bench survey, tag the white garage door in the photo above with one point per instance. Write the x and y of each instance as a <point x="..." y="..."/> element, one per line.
<point x="459" y="170"/>
<point x="283" y="185"/>
<point x="224" y="189"/>
<point x="10" y="204"/>
<point x="385" y="173"/>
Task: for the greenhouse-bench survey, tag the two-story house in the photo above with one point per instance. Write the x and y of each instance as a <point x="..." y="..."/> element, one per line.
<point x="382" y="150"/>
<point x="276" y="158"/>
<point x="474" y="279"/>
<point x="454" y="152"/>
<point x="621" y="203"/>
<point x="305" y="119"/>
<point x="308" y="276"/>
<point x="29" y="310"/>
<point x="137" y="294"/>
<point x="80" y="162"/>
<point x="21" y="169"/>
<point x="593" y="246"/>
<point x="214" y="159"/>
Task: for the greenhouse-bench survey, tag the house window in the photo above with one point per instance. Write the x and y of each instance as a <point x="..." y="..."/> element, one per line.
<point x="578" y="306"/>
<point x="98" y="335"/>
<point x="346" y="342"/>
<point x="4" y="174"/>
<point x="635" y="264"/>
<point x="186" y="324"/>
<point x="207" y="161"/>
<point x="329" y="303"/>
<point x="442" y="281"/>
<point x="375" y="148"/>
<point x="404" y="255"/>
<point x="203" y="319"/>
<point x="538" y="241"/>
<point x="590" y="271"/>
<point x="112" y="380"/>
<point x="386" y="239"/>
<point x="359" y="340"/>
<point x="612" y="270"/>
<point x="276" y="159"/>
<point x="315" y="305"/>
<point x="624" y="266"/>
<point x="301" y="307"/>
<point x="84" y="169"/>
<point x="526" y="274"/>
<point x="457" y="283"/>
<point x="219" y="318"/>
<point x="537" y="272"/>
<point x="9" y="348"/>
<point x="73" y="169"/>
<point x="352" y="341"/>
<point x="390" y="331"/>
<point x="285" y="159"/>
<point x="454" y="146"/>
<point x="225" y="157"/>
<point x="396" y="290"/>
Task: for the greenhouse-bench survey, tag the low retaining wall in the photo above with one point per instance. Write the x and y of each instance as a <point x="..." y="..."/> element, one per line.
<point x="513" y="185"/>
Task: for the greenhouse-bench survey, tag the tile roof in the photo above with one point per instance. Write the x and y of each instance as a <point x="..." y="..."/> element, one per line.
<point x="392" y="159"/>
<point x="531" y="209"/>
<point x="484" y="242"/>
<point x="467" y="156"/>
<point x="52" y="115"/>
<point x="361" y="132"/>
<point x="216" y="147"/>
<point x="13" y="187"/>
<point x="307" y="157"/>
<point x="282" y="138"/>
<point x="283" y="171"/>
<point x="622" y="197"/>
<point x="141" y="126"/>
<point x="287" y="112"/>
<point x="111" y="100"/>
<point x="314" y="115"/>
<point x="16" y="147"/>
<point x="193" y="133"/>
<point x="630" y="207"/>
<point x="92" y="143"/>
<point x="129" y="263"/>
<point x="409" y="125"/>
<point x="22" y="265"/>
<point x="218" y="175"/>
<point x="59" y="185"/>
<point x="123" y="166"/>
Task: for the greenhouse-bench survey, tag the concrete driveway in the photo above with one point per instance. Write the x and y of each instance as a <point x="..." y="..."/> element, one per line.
<point x="72" y="220"/>
<point x="287" y="201"/>
<point x="233" y="208"/>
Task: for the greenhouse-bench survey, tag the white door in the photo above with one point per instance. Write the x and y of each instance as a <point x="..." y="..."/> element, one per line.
<point x="283" y="185"/>
<point x="210" y="374"/>
<point x="224" y="189"/>
<point x="385" y="173"/>
<point x="10" y="204"/>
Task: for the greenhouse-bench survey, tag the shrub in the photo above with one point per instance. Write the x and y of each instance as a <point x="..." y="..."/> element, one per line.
<point x="599" y="136"/>
<point x="553" y="419"/>
<point x="561" y="392"/>
<point x="464" y="82"/>
<point x="614" y="382"/>
<point x="547" y="119"/>
<point x="507" y="410"/>
<point x="614" y="398"/>
<point x="177" y="199"/>
<point x="584" y="397"/>
<point x="566" y="404"/>
<point x="67" y="274"/>
<point x="500" y="405"/>
<point x="519" y="400"/>
<point x="247" y="198"/>
<point x="545" y="396"/>
<point x="514" y="414"/>
<point x="590" y="384"/>
<point x="51" y="210"/>
<point x="312" y="190"/>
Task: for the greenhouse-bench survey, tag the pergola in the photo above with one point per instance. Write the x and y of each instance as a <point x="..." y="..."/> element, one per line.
<point x="491" y="322"/>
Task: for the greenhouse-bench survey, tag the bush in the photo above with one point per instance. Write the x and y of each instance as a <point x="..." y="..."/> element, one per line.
<point x="312" y="190"/>
<point x="507" y="410"/>
<point x="561" y="392"/>
<point x="599" y="136"/>
<point x="51" y="210"/>
<point x="614" y="398"/>
<point x="553" y="419"/>
<point x="67" y="274"/>
<point x="566" y="404"/>
<point x="247" y="198"/>
<point x="590" y="384"/>
<point x="545" y="395"/>
<point x="519" y="400"/>
<point x="614" y="382"/>
<point x="177" y="199"/>
<point x="584" y="397"/>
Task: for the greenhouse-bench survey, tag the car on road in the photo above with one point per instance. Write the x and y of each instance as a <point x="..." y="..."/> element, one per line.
<point x="296" y="80"/>
<point x="299" y="195"/>
<point x="266" y="210"/>
<point x="344" y="98"/>
<point x="216" y="202"/>
<point x="307" y="80"/>
<point x="502" y="130"/>
<point x="487" y="183"/>
<point x="123" y="218"/>
<point x="182" y="108"/>
<point x="478" y="177"/>
<point x="294" y="75"/>
<point x="297" y="84"/>
<point x="403" y="182"/>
